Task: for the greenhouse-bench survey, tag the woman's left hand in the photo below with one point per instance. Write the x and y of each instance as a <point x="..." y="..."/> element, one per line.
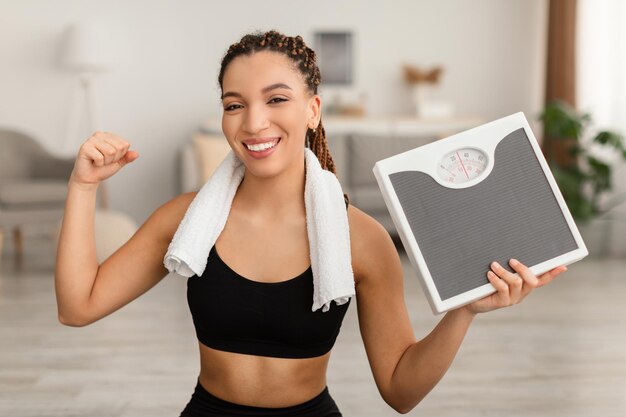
<point x="511" y="288"/>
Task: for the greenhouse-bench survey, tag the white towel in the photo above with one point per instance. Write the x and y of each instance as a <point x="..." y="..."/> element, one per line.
<point x="326" y="221"/>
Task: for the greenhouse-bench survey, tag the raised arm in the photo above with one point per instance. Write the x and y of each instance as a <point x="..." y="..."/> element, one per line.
<point x="406" y="370"/>
<point x="86" y="291"/>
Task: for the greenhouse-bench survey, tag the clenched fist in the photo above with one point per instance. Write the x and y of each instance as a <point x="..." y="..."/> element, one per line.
<point x="100" y="157"/>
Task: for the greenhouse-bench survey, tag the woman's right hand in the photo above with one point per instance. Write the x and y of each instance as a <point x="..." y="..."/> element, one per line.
<point x="100" y="157"/>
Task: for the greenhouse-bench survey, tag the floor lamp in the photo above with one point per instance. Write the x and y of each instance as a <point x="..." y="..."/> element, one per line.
<point x="83" y="56"/>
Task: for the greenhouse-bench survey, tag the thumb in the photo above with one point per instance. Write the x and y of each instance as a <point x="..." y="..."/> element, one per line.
<point x="129" y="157"/>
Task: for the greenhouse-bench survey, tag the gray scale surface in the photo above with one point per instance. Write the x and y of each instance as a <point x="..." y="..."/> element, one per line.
<point x="512" y="213"/>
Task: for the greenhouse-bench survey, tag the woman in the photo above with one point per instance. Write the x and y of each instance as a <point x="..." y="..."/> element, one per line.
<point x="271" y="112"/>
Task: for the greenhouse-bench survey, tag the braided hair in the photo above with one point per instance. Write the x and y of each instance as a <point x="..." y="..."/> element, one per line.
<point x="304" y="59"/>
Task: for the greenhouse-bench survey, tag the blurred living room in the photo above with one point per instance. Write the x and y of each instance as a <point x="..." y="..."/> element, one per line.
<point x="395" y="75"/>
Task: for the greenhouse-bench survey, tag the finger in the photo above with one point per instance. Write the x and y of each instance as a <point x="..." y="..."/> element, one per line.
<point x="502" y="288"/>
<point x="550" y="275"/>
<point x="118" y="146"/>
<point x="109" y="145"/>
<point x="124" y="155"/>
<point x="107" y="150"/>
<point x="513" y="281"/>
<point x="128" y="157"/>
<point x="118" y="142"/>
<point x="93" y="154"/>
<point x="530" y="280"/>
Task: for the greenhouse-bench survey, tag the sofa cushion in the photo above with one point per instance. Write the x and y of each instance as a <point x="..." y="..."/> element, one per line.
<point x="211" y="150"/>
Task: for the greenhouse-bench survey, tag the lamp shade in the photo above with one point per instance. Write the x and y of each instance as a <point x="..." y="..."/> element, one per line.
<point x="85" y="48"/>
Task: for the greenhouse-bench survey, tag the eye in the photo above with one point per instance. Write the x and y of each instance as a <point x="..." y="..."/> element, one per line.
<point x="277" y="100"/>
<point x="232" y="107"/>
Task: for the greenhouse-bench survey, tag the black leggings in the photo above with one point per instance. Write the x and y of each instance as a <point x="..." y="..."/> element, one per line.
<point x="205" y="404"/>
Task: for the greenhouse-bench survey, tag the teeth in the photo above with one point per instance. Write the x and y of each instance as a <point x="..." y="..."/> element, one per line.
<point x="262" y="146"/>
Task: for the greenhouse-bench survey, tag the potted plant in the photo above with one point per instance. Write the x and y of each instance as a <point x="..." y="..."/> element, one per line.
<point x="581" y="174"/>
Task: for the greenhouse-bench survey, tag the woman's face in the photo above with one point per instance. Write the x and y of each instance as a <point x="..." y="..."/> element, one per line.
<point x="266" y="103"/>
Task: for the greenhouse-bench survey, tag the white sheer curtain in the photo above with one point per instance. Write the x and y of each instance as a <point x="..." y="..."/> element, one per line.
<point x="601" y="90"/>
<point x="601" y="66"/>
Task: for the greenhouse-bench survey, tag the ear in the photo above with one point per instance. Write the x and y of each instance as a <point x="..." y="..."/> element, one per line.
<point x="314" y="111"/>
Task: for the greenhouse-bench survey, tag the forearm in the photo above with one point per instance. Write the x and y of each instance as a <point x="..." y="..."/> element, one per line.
<point x="76" y="262"/>
<point x="425" y="362"/>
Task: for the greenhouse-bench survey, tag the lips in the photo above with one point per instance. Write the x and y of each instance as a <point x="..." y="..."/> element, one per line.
<point x="256" y="141"/>
<point x="263" y="153"/>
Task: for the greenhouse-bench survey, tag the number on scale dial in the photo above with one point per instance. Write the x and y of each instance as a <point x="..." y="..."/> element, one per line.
<point x="462" y="165"/>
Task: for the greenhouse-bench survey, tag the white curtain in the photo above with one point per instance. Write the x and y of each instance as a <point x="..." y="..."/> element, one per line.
<point x="601" y="56"/>
<point x="601" y="91"/>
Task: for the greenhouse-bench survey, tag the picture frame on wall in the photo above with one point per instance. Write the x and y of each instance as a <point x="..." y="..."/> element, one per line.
<point x="334" y="55"/>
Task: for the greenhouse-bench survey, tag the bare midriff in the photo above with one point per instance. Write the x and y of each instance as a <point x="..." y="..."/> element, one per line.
<point x="261" y="381"/>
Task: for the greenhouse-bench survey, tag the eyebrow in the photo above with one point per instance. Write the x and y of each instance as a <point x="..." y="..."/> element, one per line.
<point x="264" y="90"/>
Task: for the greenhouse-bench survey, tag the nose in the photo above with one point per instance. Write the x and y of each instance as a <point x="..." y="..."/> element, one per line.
<point x="256" y="119"/>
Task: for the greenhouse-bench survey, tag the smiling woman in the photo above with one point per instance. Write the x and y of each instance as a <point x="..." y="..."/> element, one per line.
<point x="271" y="113"/>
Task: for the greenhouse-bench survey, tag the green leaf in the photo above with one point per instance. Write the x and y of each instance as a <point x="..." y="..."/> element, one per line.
<point x="569" y="182"/>
<point x="600" y="174"/>
<point x="561" y="121"/>
<point x="575" y="151"/>
<point x="580" y="208"/>
<point x="609" y="138"/>
<point x="598" y="167"/>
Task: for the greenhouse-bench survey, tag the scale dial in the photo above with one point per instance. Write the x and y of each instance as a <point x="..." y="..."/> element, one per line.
<point x="462" y="165"/>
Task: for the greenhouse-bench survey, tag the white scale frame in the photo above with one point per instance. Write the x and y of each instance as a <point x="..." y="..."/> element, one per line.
<point x="427" y="159"/>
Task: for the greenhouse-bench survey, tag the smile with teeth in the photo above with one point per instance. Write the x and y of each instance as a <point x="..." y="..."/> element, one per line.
<point x="262" y="146"/>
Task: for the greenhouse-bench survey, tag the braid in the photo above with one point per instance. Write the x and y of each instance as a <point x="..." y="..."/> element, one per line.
<point x="319" y="146"/>
<point x="293" y="47"/>
<point x="316" y="140"/>
<point x="304" y="59"/>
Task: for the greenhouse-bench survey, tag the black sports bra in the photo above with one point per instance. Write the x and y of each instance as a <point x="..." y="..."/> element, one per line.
<point x="236" y="314"/>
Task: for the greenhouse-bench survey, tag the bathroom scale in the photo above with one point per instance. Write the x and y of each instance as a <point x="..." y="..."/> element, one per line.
<point x="482" y="195"/>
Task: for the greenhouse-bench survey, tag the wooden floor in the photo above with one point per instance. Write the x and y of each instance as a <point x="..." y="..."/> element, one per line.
<point x="560" y="353"/>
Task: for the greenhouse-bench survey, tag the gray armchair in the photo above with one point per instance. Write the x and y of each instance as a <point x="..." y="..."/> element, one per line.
<point x="33" y="186"/>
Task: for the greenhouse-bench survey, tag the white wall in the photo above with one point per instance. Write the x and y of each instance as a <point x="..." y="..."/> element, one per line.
<point x="165" y="60"/>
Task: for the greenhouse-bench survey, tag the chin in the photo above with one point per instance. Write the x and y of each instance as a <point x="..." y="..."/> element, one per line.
<point x="264" y="169"/>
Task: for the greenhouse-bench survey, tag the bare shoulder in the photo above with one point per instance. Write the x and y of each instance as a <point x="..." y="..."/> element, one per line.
<point x="170" y="214"/>
<point x="371" y="246"/>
